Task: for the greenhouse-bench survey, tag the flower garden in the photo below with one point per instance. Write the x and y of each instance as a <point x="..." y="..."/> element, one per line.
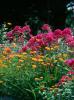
<point x="39" y="67"/>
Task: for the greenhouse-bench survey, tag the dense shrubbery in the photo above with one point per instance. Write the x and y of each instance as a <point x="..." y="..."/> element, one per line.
<point x="37" y="67"/>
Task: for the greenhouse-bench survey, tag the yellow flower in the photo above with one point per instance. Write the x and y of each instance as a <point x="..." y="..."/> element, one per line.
<point x="24" y="53"/>
<point x="47" y="48"/>
<point x="5" y="53"/>
<point x="65" y="55"/>
<point x="51" y="48"/>
<point x="34" y="59"/>
<point x="61" y="59"/>
<point x="34" y="66"/>
<point x="1" y="61"/>
<point x="32" y="52"/>
<point x="48" y="63"/>
<point x="40" y="60"/>
<point x="43" y="64"/>
<point x="55" y="61"/>
<point x="39" y="56"/>
<point x="56" y="47"/>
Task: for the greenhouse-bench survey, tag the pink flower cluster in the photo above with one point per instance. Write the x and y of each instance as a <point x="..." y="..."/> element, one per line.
<point x="42" y="40"/>
<point x="62" y="33"/>
<point x="70" y="62"/>
<point x="70" y="72"/>
<point x="22" y="29"/>
<point x="70" y="41"/>
<point x="38" y="41"/>
<point x="66" y="34"/>
<point x="19" y="31"/>
<point x="64" y="78"/>
<point x="46" y="27"/>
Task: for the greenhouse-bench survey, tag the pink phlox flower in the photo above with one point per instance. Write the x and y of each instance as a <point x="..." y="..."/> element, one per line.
<point x="17" y="29"/>
<point x="70" y="41"/>
<point x="70" y="62"/>
<point x="24" y="48"/>
<point x="66" y="31"/>
<point x="9" y="35"/>
<point x="26" y="28"/>
<point x="46" y="27"/>
<point x="31" y="41"/>
<point x="70" y="72"/>
<point x="39" y="36"/>
<point x="65" y="78"/>
<point x="57" y="33"/>
<point x="49" y="36"/>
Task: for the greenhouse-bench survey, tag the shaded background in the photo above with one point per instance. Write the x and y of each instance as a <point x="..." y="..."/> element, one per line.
<point x="52" y="12"/>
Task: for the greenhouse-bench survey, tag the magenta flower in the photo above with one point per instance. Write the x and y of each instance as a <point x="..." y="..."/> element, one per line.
<point x="65" y="78"/>
<point x="49" y="36"/>
<point x="46" y="27"/>
<point x="57" y="33"/>
<point x="70" y="41"/>
<point x="66" y="31"/>
<point x="26" y="28"/>
<point x="70" y="72"/>
<point x="17" y="29"/>
<point x="70" y="62"/>
<point x="39" y="36"/>
<point x="9" y="35"/>
<point x="24" y="48"/>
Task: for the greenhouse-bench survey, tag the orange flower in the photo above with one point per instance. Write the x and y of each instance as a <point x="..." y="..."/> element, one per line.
<point x="11" y="56"/>
<point x="32" y="52"/>
<point x="20" y="61"/>
<point x="7" y="49"/>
